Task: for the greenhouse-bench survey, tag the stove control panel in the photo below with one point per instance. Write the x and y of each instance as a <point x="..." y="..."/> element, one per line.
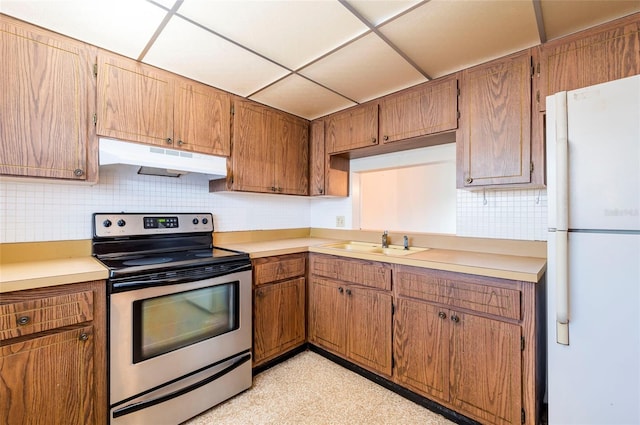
<point x="136" y="224"/>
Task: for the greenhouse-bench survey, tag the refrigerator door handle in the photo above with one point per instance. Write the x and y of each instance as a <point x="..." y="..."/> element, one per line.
<point x="562" y="217"/>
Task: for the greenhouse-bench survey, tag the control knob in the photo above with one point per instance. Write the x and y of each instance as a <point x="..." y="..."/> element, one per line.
<point x="205" y="221"/>
<point x="195" y="221"/>
<point x="121" y="223"/>
<point x="106" y="223"/>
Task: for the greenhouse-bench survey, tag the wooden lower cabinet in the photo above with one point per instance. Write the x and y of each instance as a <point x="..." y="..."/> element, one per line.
<point x="348" y="314"/>
<point x="53" y="355"/>
<point x="470" y="343"/>
<point x="278" y="305"/>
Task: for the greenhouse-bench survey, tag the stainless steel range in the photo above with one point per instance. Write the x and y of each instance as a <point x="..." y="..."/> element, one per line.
<point x="179" y="316"/>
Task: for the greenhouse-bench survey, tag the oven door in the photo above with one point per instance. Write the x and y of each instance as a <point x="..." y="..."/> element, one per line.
<point x="163" y="335"/>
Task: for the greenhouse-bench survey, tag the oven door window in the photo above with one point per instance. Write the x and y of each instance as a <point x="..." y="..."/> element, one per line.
<point x="169" y="322"/>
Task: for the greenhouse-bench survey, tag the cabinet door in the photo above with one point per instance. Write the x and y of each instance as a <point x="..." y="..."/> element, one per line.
<point x="135" y="101"/>
<point x="421" y="349"/>
<point x="354" y="128"/>
<point x="252" y="156"/>
<point x="369" y="328"/>
<point x="317" y="158"/>
<point x="57" y="370"/>
<point x="427" y="109"/>
<point x="594" y="56"/>
<point x="279" y="318"/>
<point x="486" y="368"/>
<point x="327" y="314"/>
<point x="48" y="95"/>
<point x="494" y="146"/>
<point x="290" y="139"/>
<point x="202" y="119"/>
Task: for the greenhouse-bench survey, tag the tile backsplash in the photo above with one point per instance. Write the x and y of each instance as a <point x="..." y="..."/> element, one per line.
<point x="505" y="214"/>
<point x="44" y="211"/>
<point x="32" y="210"/>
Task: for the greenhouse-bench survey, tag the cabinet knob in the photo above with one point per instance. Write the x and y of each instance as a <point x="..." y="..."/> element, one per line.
<point x="385" y="138"/>
<point x="169" y="141"/>
<point x="455" y="319"/>
<point x="340" y="289"/>
<point x="78" y="172"/>
<point x="321" y="191"/>
<point x="180" y="143"/>
<point x="259" y="294"/>
<point x="279" y="189"/>
<point x="442" y="315"/>
<point x="23" y="320"/>
<point x="373" y="140"/>
<point x="348" y="291"/>
<point x="468" y="180"/>
<point x="83" y="337"/>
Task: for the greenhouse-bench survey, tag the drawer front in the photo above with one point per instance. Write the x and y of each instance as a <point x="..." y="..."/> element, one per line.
<point x="454" y="291"/>
<point x="29" y="317"/>
<point x="359" y="272"/>
<point x="272" y="269"/>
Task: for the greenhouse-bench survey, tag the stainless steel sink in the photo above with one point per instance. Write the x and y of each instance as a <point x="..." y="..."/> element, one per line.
<point x="372" y="248"/>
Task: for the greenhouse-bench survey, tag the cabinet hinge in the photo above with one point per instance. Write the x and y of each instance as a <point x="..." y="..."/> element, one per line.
<point x="95" y="119"/>
<point x="538" y="96"/>
<point x="533" y="70"/>
<point x="233" y="110"/>
<point x="393" y="362"/>
<point x="531" y="167"/>
<point x="458" y="114"/>
<point x="523" y="416"/>
<point x="538" y="69"/>
<point x="458" y="91"/>
<point x="95" y="69"/>
<point x="521" y="343"/>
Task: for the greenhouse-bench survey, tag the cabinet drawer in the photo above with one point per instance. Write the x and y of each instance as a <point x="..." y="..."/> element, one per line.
<point x="29" y="317"/>
<point x="272" y="269"/>
<point x="359" y="272"/>
<point x="454" y="291"/>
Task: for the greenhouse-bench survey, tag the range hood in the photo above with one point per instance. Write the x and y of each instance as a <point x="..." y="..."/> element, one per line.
<point x="159" y="161"/>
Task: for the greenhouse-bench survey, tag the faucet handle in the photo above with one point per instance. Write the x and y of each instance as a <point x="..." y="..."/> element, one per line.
<point x="386" y="232"/>
<point x="406" y="241"/>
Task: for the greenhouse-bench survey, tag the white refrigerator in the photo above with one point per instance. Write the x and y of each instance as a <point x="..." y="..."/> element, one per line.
<point x="593" y="254"/>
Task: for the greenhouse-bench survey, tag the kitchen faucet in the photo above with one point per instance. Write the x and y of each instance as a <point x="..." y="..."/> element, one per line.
<point x="385" y="239"/>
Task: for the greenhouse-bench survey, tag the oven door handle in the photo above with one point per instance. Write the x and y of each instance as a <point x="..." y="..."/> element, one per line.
<point x="149" y="403"/>
<point x="122" y="285"/>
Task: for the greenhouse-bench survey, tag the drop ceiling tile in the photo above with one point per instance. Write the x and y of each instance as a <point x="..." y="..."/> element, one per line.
<point x="565" y="17"/>
<point x="123" y="27"/>
<point x="363" y="70"/>
<point x="301" y="97"/>
<point x="377" y="12"/>
<point x="443" y="36"/>
<point x="166" y="3"/>
<point x="292" y="33"/>
<point x="189" y="50"/>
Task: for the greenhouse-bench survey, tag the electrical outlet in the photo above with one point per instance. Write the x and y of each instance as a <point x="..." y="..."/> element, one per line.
<point x="339" y="221"/>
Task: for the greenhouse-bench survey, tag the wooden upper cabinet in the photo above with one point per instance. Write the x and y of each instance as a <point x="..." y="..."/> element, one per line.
<point x="426" y="109"/>
<point x="353" y="128"/>
<point x="270" y="151"/>
<point x="494" y="139"/>
<point x="140" y="103"/>
<point x="48" y="97"/>
<point x="328" y="174"/>
<point x="202" y="119"/>
<point x="597" y="55"/>
<point x="135" y="101"/>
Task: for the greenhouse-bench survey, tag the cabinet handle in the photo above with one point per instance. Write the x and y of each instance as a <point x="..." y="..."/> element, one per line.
<point x="385" y="138"/>
<point x="83" y="337"/>
<point x="348" y="291"/>
<point x="373" y="140"/>
<point x="455" y="319"/>
<point x="469" y="180"/>
<point x="23" y="320"/>
<point x="78" y="172"/>
<point x="180" y="143"/>
<point x="169" y="141"/>
<point x="442" y="315"/>
<point x="340" y="289"/>
<point x="273" y="188"/>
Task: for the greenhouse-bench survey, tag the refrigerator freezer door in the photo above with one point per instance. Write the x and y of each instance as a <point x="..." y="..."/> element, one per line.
<point x="596" y="379"/>
<point x="604" y="155"/>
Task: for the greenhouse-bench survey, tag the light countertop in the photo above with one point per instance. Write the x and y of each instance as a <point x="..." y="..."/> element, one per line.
<point x="50" y="272"/>
<point x="38" y="274"/>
